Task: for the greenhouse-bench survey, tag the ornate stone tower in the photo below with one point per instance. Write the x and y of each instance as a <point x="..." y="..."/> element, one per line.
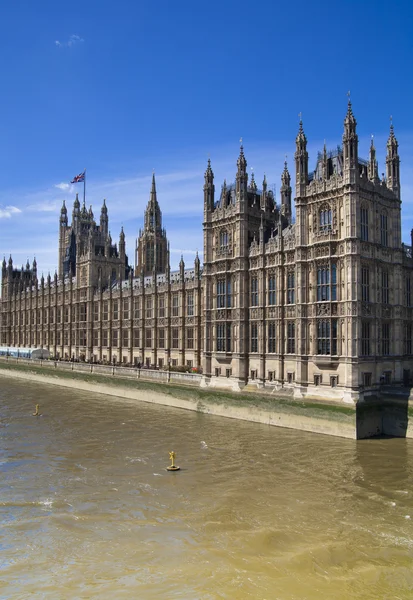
<point x="151" y="247"/>
<point x="241" y="218"/>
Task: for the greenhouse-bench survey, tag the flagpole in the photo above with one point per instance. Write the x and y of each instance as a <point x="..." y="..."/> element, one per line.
<point x="84" y="188"/>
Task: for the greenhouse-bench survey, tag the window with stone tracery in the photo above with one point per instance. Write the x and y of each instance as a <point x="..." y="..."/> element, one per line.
<point x="223" y="240"/>
<point x="326" y="220"/>
<point x="364" y="224"/>
<point x="327" y="336"/>
<point x="327" y="283"/>
<point x="383" y="229"/>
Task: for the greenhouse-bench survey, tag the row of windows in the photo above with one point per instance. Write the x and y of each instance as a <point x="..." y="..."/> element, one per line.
<point x="384" y="337"/>
<point x="384" y="289"/>
<point x="364" y="227"/>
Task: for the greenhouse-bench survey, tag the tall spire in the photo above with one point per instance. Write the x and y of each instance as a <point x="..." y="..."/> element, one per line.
<point x="350" y="146"/>
<point x="63" y="215"/>
<point x="373" y="169"/>
<point x="104" y="221"/>
<point x="209" y="189"/>
<point x="242" y="175"/>
<point x="153" y="190"/>
<point x="301" y="161"/>
<point x="150" y="253"/>
<point x="393" y="162"/>
<point x="153" y="215"/>
<point x="242" y="161"/>
<point x="286" y="191"/>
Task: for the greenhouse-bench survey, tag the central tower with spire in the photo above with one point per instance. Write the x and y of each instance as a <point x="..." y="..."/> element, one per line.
<point x="152" y="245"/>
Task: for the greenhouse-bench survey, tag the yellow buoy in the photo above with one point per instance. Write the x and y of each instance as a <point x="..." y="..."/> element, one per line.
<point x="37" y="414"/>
<point x="172" y="466"/>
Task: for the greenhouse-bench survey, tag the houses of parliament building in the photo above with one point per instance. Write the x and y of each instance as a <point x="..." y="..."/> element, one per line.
<point x="321" y="304"/>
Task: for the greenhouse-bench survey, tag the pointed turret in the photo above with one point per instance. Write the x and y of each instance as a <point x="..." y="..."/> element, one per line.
<point x="76" y="214"/>
<point x="301" y="162"/>
<point x="182" y="268"/>
<point x="393" y="163"/>
<point x="209" y="189"/>
<point x="242" y="175"/>
<point x="122" y="248"/>
<point x="63" y="215"/>
<point x="373" y="169"/>
<point x="150" y="251"/>
<point x="324" y="169"/>
<point x="197" y="265"/>
<point x="350" y="147"/>
<point x="285" y="191"/>
<point x="253" y="184"/>
<point x="153" y="218"/>
<point x="104" y="222"/>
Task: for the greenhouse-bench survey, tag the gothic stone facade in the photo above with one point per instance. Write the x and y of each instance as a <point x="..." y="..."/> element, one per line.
<point x="322" y="305"/>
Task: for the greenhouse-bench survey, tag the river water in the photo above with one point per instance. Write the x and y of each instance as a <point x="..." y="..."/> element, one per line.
<point x="87" y="509"/>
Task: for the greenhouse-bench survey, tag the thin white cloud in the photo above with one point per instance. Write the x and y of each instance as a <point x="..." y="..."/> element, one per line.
<point x="8" y="211"/>
<point x="52" y="206"/>
<point x="63" y="186"/>
<point x="72" y="41"/>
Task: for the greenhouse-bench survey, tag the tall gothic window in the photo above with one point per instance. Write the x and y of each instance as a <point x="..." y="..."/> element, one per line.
<point x="407" y="345"/>
<point x="190" y="304"/>
<point x="229" y="293"/>
<point x="290" y="337"/>
<point x="385" y="339"/>
<point x="272" y="290"/>
<point x="327" y="337"/>
<point x="223" y="337"/>
<point x="221" y="285"/>
<point x="136" y="308"/>
<point x="254" y="337"/>
<point x="161" y="338"/>
<point x="115" y="310"/>
<point x="126" y="308"/>
<point x="364" y="224"/>
<point x="190" y="338"/>
<point x="365" y="284"/>
<point x="365" y="338"/>
<point x="175" y="337"/>
<point x="291" y="287"/>
<point x="272" y="333"/>
<point x="161" y="306"/>
<point x="327" y="283"/>
<point x="385" y="286"/>
<point x="149" y="309"/>
<point x="175" y="305"/>
<point x="254" y="291"/>
<point x="325" y="219"/>
<point x="223" y="240"/>
<point x="408" y="290"/>
<point x="383" y="230"/>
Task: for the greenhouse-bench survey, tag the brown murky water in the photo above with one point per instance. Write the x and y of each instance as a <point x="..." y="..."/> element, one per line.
<point x="87" y="509"/>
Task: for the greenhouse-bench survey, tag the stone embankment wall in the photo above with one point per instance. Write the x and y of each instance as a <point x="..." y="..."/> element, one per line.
<point x="172" y="389"/>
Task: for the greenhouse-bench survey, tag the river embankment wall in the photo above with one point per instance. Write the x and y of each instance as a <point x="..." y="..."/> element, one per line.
<point x="324" y="418"/>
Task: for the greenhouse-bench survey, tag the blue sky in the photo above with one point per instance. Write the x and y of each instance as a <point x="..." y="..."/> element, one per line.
<point x="125" y="87"/>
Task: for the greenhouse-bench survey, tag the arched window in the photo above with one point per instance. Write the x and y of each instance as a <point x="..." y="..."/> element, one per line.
<point x="223" y="240"/>
<point x="327" y="336"/>
<point x="325" y="219"/>
<point x="383" y="229"/>
<point x="327" y="283"/>
<point x="364" y="224"/>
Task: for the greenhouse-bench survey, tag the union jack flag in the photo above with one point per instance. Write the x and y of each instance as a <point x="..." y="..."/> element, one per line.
<point x="79" y="178"/>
